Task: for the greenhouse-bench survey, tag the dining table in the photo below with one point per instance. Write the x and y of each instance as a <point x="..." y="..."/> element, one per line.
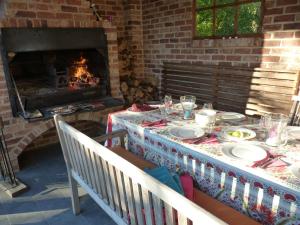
<point x="267" y="192"/>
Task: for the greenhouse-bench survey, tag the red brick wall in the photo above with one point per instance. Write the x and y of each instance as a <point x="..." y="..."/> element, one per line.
<point x="51" y="13"/>
<point x="127" y="17"/>
<point x="90" y="128"/>
<point x="167" y="29"/>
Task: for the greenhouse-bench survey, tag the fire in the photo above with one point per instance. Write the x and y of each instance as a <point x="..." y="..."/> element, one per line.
<point x="80" y="76"/>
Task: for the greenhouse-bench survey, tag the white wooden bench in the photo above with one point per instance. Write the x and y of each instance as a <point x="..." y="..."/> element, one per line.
<point x="125" y="192"/>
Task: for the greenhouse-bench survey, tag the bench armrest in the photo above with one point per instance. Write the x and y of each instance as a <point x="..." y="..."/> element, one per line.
<point x="121" y="134"/>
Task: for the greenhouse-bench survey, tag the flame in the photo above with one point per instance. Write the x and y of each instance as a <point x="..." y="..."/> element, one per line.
<point x="81" y="77"/>
<point x="81" y="71"/>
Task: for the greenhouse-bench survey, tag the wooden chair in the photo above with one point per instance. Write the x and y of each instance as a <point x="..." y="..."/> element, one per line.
<point x="253" y="91"/>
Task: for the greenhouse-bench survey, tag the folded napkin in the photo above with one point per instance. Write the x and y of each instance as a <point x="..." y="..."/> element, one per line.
<point x="158" y="123"/>
<point x="163" y="175"/>
<point x="142" y="108"/>
<point x="268" y="159"/>
<point x="187" y="185"/>
<point x="209" y="139"/>
<point x="275" y="164"/>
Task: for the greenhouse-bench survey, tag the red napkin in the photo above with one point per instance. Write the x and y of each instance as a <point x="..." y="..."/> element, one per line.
<point x="269" y="158"/>
<point x="275" y="164"/>
<point x="159" y="123"/>
<point x="210" y="139"/>
<point x="142" y="108"/>
<point x="188" y="186"/>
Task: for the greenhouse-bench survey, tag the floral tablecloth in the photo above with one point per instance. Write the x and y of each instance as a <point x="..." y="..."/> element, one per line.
<point x="271" y="195"/>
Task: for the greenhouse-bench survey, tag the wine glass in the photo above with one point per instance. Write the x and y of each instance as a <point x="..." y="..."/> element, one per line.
<point x="168" y="103"/>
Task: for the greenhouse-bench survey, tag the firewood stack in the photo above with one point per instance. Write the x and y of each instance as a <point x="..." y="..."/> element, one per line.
<point x="138" y="91"/>
<point x="135" y="90"/>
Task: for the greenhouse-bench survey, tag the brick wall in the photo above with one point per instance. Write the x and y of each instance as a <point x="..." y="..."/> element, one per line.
<point x="167" y="29"/>
<point x="51" y="13"/>
<point x="90" y="128"/>
<point x="134" y="34"/>
<point x="127" y="17"/>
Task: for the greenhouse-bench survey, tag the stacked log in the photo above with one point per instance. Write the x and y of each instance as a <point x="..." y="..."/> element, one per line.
<point x="138" y="91"/>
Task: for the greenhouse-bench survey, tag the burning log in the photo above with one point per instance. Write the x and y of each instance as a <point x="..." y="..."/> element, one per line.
<point x="80" y="77"/>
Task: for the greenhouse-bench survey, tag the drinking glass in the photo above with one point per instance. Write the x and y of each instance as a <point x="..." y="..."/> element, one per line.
<point x="207" y="105"/>
<point x="188" y="103"/>
<point x="162" y="109"/>
<point x="168" y="102"/>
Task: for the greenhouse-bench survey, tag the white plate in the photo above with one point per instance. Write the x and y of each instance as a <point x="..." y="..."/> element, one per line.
<point x="249" y="153"/>
<point x="231" y="116"/>
<point x="293" y="132"/>
<point x="295" y="169"/>
<point x="226" y="136"/>
<point x="179" y="106"/>
<point x="186" y="133"/>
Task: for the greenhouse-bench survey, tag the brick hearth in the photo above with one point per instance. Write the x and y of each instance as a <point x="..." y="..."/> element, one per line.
<point x="55" y="13"/>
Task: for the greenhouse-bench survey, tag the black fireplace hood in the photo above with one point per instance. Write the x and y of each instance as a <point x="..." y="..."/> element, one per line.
<point x="43" y="39"/>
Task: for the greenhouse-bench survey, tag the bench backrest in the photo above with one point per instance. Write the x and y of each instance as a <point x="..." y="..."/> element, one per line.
<point x="124" y="191"/>
<point x="253" y="91"/>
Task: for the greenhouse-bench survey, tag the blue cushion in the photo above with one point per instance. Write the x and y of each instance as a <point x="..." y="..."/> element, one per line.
<point x="163" y="175"/>
<point x="177" y="180"/>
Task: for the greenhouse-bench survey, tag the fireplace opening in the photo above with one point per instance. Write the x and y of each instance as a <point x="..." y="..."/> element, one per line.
<point x="50" y="78"/>
<point x="51" y="70"/>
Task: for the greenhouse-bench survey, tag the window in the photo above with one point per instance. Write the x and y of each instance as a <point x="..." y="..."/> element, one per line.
<point x="227" y="18"/>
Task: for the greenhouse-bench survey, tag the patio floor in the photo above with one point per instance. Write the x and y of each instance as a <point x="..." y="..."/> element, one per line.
<point x="48" y="202"/>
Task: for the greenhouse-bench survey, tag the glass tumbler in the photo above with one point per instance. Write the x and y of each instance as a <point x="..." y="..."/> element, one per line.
<point x="188" y="103"/>
<point x="168" y="103"/>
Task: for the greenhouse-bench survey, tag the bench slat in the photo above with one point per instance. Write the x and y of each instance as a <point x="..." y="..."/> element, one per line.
<point x="91" y="170"/>
<point x="95" y="174"/>
<point x="101" y="179"/>
<point x="170" y="218"/>
<point x="147" y="207"/>
<point x="96" y="169"/>
<point x="182" y="220"/>
<point x="79" y="156"/>
<point x="158" y="214"/>
<point x="115" y="189"/>
<point x="138" y="200"/>
<point x="130" y="199"/>
<point x="122" y="193"/>
<point x="107" y="183"/>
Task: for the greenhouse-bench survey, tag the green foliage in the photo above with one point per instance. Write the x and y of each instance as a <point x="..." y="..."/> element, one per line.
<point x="248" y="21"/>
<point x="221" y="2"/>
<point x="203" y="3"/>
<point x="249" y="18"/>
<point x="225" y="21"/>
<point x="204" y="23"/>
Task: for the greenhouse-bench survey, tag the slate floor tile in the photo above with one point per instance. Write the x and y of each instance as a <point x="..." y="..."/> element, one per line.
<point x="48" y="202"/>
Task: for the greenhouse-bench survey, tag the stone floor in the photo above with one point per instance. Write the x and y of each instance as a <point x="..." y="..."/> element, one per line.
<point x="48" y="202"/>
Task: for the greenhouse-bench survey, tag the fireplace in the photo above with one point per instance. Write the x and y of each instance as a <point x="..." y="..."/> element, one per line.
<point x="46" y="68"/>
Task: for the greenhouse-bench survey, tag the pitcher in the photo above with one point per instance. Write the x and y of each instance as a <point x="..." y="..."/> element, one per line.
<point x="276" y="125"/>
